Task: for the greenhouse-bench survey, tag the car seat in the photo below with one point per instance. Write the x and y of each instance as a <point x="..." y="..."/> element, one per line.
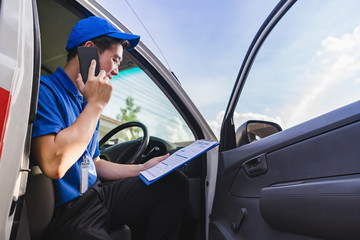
<point x="40" y="204"/>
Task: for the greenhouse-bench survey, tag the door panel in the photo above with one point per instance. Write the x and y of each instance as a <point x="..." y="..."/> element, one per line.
<point x="324" y="208"/>
<point x="309" y="191"/>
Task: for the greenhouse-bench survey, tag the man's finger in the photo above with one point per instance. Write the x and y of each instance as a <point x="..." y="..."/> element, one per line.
<point x="79" y="82"/>
<point x="107" y="79"/>
<point x="92" y="68"/>
<point x="102" y="74"/>
<point x="161" y="158"/>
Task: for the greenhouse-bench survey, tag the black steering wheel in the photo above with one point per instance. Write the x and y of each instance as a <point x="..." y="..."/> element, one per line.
<point x="144" y="141"/>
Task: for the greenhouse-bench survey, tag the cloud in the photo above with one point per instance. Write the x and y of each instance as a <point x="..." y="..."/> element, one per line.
<point x="239" y="119"/>
<point x="173" y="130"/>
<point x="334" y="69"/>
<point x="347" y="42"/>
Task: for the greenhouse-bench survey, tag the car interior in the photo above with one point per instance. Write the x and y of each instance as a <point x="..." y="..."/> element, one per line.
<point x="56" y="18"/>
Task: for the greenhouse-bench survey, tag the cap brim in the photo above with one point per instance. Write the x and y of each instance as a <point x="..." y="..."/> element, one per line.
<point x="133" y="39"/>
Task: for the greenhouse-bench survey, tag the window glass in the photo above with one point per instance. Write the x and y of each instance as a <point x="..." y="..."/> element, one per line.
<point x="309" y="65"/>
<point x="137" y="98"/>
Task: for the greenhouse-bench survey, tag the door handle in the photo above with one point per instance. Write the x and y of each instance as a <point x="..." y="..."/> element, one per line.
<point x="256" y="166"/>
<point x="235" y="226"/>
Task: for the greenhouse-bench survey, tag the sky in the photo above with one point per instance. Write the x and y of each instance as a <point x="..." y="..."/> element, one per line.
<point x="309" y="64"/>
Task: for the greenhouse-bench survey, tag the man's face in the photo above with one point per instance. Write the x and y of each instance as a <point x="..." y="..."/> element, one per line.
<point x="110" y="60"/>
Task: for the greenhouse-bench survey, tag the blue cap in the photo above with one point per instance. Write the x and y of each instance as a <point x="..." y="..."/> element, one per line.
<point x="92" y="27"/>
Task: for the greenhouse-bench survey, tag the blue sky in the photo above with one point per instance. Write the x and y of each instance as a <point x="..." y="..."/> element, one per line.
<point x="195" y="37"/>
<point x="205" y="42"/>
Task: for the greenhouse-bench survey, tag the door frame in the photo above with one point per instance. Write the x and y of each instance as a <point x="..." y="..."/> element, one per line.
<point x="227" y="132"/>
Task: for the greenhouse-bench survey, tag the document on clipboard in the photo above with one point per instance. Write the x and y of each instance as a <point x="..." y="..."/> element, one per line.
<point x="176" y="160"/>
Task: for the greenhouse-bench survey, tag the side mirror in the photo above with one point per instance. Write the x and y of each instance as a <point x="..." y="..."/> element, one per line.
<point x="255" y="130"/>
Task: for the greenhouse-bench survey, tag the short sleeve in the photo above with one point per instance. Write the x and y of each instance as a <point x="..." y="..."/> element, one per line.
<point x="48" y="117"/>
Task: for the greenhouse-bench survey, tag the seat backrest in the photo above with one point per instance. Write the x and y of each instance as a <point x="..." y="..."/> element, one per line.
<point x="40" y="202"/>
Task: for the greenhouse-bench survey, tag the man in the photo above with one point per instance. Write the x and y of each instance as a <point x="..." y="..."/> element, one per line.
<point x="65" y="146"/>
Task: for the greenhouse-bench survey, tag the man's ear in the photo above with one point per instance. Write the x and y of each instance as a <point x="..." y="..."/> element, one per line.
<point x="89" y="44"/>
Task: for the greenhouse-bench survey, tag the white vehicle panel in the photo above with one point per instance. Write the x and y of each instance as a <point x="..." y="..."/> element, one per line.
<point x="16" y="67"/>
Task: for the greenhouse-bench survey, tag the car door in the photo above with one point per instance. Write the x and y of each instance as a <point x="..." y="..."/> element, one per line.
<point x="301" y="182"/>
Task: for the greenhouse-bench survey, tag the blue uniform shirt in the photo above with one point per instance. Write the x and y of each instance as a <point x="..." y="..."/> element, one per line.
<point x="59" y="105"/>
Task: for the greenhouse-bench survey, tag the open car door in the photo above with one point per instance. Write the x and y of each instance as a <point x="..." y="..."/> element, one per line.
<point x="299" y="183"/>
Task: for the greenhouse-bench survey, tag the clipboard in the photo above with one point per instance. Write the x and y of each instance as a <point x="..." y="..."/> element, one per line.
<point x="176" y="160"/>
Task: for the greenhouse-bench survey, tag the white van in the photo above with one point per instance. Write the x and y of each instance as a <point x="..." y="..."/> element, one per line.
<point x="261" y="183"/>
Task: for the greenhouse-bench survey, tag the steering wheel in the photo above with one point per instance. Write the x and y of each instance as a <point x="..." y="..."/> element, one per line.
<point x="135" y="159"/>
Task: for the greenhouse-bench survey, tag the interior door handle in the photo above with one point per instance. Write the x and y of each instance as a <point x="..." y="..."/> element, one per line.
<point x="256" y="166"/>
<point x="235" y="226"/>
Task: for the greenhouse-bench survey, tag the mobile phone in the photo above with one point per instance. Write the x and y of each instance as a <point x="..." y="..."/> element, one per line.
<point x="86" y="55"/>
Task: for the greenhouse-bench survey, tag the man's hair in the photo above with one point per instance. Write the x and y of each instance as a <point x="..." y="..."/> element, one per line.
<point x="102" y="43"/>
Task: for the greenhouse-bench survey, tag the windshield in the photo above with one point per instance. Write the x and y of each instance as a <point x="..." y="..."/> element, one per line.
<point x="136" y="98"/>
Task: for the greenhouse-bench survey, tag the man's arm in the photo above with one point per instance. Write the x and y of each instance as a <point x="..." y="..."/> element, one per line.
<point x="114" y="171"/>
<point x="56" y="153"/>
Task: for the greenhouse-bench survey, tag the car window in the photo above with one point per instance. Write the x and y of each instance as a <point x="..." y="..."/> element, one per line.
<point x="137" y="98"/>
<point x="309" y="65"/>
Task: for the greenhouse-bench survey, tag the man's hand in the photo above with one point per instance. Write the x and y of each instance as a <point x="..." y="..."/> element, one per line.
<point x="97" y="89"/>
<point x="115" y="171"/>
<point x="152" y="162"/>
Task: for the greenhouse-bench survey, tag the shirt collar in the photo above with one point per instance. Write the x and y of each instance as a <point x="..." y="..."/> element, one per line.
<point x="66" y="82"/>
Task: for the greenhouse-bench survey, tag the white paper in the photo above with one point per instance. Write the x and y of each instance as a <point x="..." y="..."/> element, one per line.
<point x="178" y="158"/>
